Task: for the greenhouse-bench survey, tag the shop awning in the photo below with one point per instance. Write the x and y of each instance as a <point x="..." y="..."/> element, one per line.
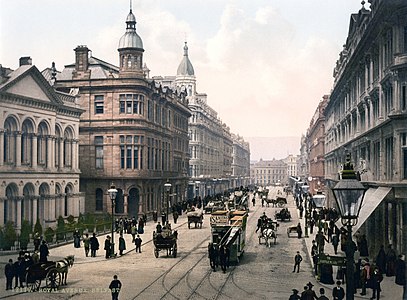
<point x="373" y="197"/>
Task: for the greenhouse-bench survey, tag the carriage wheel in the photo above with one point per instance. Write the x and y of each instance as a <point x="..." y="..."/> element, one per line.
<point x="53" y="279"/>
<point x="281" y="203"/>
<point x="32" y="286"/>
<point x="156" y="252"/>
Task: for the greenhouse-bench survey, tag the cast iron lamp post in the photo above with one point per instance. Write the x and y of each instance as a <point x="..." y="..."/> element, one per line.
<point x="167" y="187"/>
<point x="112" y="193"/>
<point x="305" y="189"/>
<point x="349" y="193"/>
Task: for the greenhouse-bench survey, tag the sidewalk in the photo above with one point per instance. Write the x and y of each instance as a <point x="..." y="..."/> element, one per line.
<point x="390" y="290"/>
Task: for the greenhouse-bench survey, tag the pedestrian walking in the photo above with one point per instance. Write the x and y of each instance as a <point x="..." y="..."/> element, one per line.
<point x="297" y="261"/>
<point x="115" y="286"/>
<point x="86" y="244"/>
<point x="137" y="242"/>
<point x="308" y="293"/>
<point x="133" y="232"/>
<point x="37" y="241"/>
<point x="213" y="256"/>
<point x="122" y="244"/>
<point x="158" y="228"/>
<point x="44" y="251"/>
<point x="400" y="271"/>
<point x="299" y="230"/>
<point x="140" y="227"/>
<point x="335" y="243"/>
<point x="175" y="216"/>
<point x="391" y="258"/>
<point x="224" y="257"/>
<point x="254" y="201"/>
<point x="94" y="245"/>
<point x="108" y="247"/>
<point x="338" y="293"/>
<point x="76" y="239"/>
<point x="322" y="294"/>
<point x="9" y="273"/>
<point x="377" y="278"/>
<point x="294" y="295"/>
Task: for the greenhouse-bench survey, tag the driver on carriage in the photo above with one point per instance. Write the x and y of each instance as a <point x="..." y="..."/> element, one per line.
<point x="261" y="221"/>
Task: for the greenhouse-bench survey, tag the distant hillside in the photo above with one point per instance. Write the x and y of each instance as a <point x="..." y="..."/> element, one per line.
<point x="273" y="147"/>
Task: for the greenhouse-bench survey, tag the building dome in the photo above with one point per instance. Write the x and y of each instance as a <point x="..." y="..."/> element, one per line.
<point x="130" y="39"/>
<point x="185" y="67"/>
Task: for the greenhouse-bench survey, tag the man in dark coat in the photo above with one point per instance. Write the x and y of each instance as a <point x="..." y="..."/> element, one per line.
<point x="137" y="242"/>
<point x="297" y="261"/>
<point x="213" y="256"/>
<point x="377" y="278"/>
<point x="115" y="287"/>
<point x="108" y="247"/>
<point x="308" y="293"/>
<point x="294" y="295"/>
<point x="400" y="271"/>
<point x="391" y="258"/>
<point x="381" y="259"/>
<point x="223" y="257"/>
<point x="9" y="273"/>
<point x="94" y="245"/>
<point x="338" y="293"/>
<point x="43" y="251"/>
<point x="122" y="244"/>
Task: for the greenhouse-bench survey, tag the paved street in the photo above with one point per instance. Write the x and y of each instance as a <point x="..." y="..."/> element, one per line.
<point x="263" y="273"/>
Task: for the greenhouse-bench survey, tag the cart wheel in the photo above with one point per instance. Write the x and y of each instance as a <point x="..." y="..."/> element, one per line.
<point x="53" y="279"/>
<point x="32" y="285"/>
<point x="156" y="253"/>
<point x="281" y="203"/>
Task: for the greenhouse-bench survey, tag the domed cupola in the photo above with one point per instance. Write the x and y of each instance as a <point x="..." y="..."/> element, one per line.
<point x="131" y="49"/>
<point x="185" y="68"/>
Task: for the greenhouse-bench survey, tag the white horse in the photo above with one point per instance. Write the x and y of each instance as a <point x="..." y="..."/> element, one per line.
<point x="269" y="234"/>
<point x="63" y="265"/>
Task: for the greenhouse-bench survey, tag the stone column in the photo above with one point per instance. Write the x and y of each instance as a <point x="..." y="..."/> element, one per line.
<point x="125" y="204"/>
<point x="34" y="152"/>
<point x="1" y="152"/>
<point x="49" y="152"/>
<point x="18" y="208"/>
<point x="34" y="212"/>
<point x="18" y="148"/>
<point x="61" y="153"/>
<point x="2" y="210"/>
<point x="74" y="154"/>
<point x="52" y="212"/>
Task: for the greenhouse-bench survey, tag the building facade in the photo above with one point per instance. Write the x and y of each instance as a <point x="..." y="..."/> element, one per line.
<point x="366" y="116"/>
<point x="216" y="155"/>
<point x="133" y="133"/>
<point x="39" y="133"/>
<point x="315" y="140"/>
<point x="269" y="172"/>
<point x="292" y="163"/>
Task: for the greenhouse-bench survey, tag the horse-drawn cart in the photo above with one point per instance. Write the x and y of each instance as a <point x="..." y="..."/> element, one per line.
<point x="283" y="215"/>
<point x="165" y="240"/>
<point x="53" y="272"/>
<point x="195" y="216"/>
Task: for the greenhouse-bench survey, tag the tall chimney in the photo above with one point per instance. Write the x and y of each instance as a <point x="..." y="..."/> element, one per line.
<point x="81" y="63"/>
<point x="25" y="61"/>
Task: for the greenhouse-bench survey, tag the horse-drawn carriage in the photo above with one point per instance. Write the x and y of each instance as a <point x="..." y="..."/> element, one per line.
<point x="283" y="214"/>
<point x="53" y="272"/>
<point x="279" y="201"/>
<point x="268" y="231"/>
<point x="195" y="216"/>
<point x="165" y="240"/>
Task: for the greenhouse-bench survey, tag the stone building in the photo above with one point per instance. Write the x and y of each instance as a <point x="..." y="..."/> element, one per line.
<point x="134" y="132"/>
<point x="315" y="140"/>
<point x="366" y="116"/>
<point x="213" y="166"/>
<point x="292" y="164"/>
<point x="241" y="161"/>
<point x="39" y="132"/>
<point x="269" y="172"/>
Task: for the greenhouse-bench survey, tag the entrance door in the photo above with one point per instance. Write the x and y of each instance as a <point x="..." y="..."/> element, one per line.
<point x="133" y="203"/>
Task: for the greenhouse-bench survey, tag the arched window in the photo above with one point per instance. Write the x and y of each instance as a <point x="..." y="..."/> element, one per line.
<point x="11" y="194"/>
<point x="44" y="194"/>
<point x="68" y="192"/>
<point x="10" y="128"/>
<point x="26" y="142"/>
<point x="99" y="200"/>
<point x="68" y="136"/>
<point x="129" y="61"/>
<point x="57" y="148"/>
<point x="42" y="144"/>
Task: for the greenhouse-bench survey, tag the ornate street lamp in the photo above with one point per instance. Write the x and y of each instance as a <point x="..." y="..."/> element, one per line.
<point x="112" y="193"/>
<point x="167" y="187"/>
<point x="305" y="189"/>
<point x="349" y="194"/>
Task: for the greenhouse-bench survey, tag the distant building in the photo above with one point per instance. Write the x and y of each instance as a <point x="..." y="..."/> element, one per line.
<point x="269" y="172"/>
<point x="292" y="164"/>
<point x="39" y="167"/>
<point x="134" y="132"/>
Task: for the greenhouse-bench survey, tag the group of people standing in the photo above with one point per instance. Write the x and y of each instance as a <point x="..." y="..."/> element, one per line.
<point x="218" y="256"/>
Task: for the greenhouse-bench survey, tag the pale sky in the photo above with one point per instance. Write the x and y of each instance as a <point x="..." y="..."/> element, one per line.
<point x="264" y="64"/>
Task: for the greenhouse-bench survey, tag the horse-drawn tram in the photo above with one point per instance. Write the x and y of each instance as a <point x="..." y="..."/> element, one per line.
<point x="228" y="229"/>
<point x="165" y="240"/>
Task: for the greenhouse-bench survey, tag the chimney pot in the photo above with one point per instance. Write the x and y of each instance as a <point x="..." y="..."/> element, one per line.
<point x="25" y="60"/>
